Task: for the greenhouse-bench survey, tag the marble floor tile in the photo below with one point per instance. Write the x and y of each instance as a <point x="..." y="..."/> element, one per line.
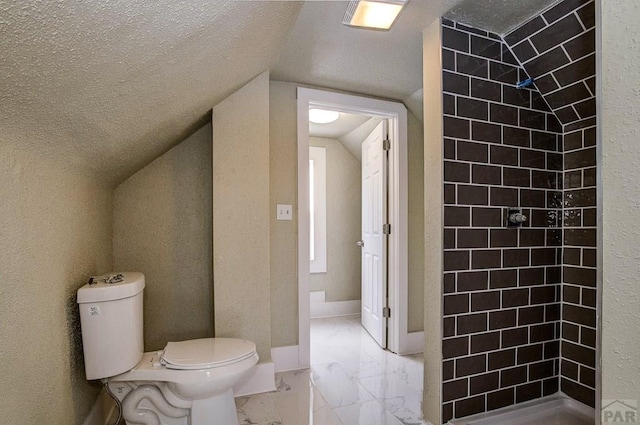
<point x="352" y="381"/>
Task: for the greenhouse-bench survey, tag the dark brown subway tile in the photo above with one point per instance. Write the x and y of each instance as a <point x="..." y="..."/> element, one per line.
<point x="486" y="132"/>
<point x="456" y="172"/>
<point x="473" y="195"/>
<point x="503" y="114"/>
<point x="504" y="238"/>
<point x="516" y="137"/>
<point x="455" y="83"/>
<point x="471" y="323"/>
<point x="501" y="155"/>
<point x="473" y="238"/>
<point x="532" y="197"/>
<point x="563" y="29"/>
<point x="454" y="390"/>
<point x="514" y="337"/>
<point x="563" y="8"/>
<point x="447" y="370"/>
<point x="515" y="298"/>
<point x="484" y="383"/>
<point x="489" y="49"/>
<point x="456" y="304"/>
<point x="486" y="174"/>
<point x="587" y="15"/>
<point x="448" y="104"/>
<point x="472" y="281"/>
<point x="533" y="119"/>
<point x="449" y="326"/>
<point x="578" y="392"/>
<point x="524" y="51"/>
<point x="538" y="102"/>
<point x="500" y="196"/>
<point x="579" y="354"/>
<point x="546" y="84"/>
<point x="525" y="31"/>
<point x="449" y="283"/>
<point x="471" y="108"/>
<point x="579" y="70"/>
<point x="471" y="65"/>
<point x="500" y="399"/>
<point x="456" y="128"/>
<point x="516" y="177"/>
<point x="502" y="319"/>
<point x="582" y="45"/>
<point x="532" y="237"/>
<point x="483" y="301"/>
<point x="515" y="257"/>
<point x="457" y="216"/>
<point x="530" y="315"/>
<point x="513" y="376"/>
<point x="549" y="61"/>
<point x="469" y="406"/>
<point x="503" y="73"/>
<point x="542" y="333"/>
<point x="580" y="158"/>
<point x="571" y="94"/>
<point x="455" y="40"/>
<point x="501" y="359"/>
<point x="503" y="279"/>
<point x="474" y="152"/>
<point x="529" y="354"/>
<point x="570" y="332"/>
<point x="448" y="60"/>
<point x="455" y="347"/>
<point x="486" y="259"/>
<point x="487" y="217"/>
<point x="456" y="260"/>
<point x="588" y="337"/>
<point x="516" y="97"/>
<point x="567" y="114"/>
<point x="473" y="30"/>
<point x="488" y="90"/>
<point x="581" y="315"/>
<point x="532" y="159"/>
<point x="528" y="391"/>
<point x="473" y="365"/>
<point x="485" y="342"/>
<point x="544" y="141"/>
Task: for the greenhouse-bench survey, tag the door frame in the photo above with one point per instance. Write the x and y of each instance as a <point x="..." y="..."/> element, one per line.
<point x="398" y="339"/>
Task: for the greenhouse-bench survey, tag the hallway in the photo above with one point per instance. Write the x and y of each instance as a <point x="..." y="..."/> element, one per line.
<point x="351" y="381"/>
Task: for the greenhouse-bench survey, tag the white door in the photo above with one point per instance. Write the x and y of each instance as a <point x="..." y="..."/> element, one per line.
<point x="374" y="240"/>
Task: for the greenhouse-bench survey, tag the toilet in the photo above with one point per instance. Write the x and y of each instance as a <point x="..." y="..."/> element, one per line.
<point x="187" y="383"/>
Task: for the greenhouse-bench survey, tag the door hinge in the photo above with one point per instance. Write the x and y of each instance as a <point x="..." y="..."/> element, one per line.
<point x="386" y="229"/>
<point x="386" y="145"/>
<point x="386" y="312"/>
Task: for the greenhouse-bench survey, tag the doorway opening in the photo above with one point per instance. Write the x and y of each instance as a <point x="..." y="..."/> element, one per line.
<point x="392" y="326"/>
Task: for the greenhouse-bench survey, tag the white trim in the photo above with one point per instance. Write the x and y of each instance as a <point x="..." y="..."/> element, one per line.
<point x="413" y="343"/>
<point x="398" y="211"/>
<point x="261" y="380"/>
<point x="102" y="412"/>
<point x="285" y="358"/>
<point x="334" y="308"/>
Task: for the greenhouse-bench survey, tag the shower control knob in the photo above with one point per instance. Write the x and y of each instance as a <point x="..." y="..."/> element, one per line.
<point x="360" y="243"/>
<point x="517" y="218"/>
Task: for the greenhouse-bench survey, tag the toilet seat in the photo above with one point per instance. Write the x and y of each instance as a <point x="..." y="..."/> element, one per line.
<point x="206" y="353"/>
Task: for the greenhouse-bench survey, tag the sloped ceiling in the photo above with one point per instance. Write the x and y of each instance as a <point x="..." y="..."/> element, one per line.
<point x="109" y="85"/>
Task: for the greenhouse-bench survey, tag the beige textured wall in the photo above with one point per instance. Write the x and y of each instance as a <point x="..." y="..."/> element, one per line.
<point x="55" y="227"/>
<point x="162" y="228"/>
<point x="621" y="236"/>
<point x="283" y="183"/>
<point x="415" y="153"/>
<point x="344" y="214"/>
<point x="434" y="203"/>
<point x="241" y="247"/>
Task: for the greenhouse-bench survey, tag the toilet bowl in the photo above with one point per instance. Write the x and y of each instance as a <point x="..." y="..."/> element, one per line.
<point x="188" y="383"/>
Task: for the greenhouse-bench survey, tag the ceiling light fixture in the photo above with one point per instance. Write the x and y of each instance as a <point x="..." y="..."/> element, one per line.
<point x="322" y="116"/>
<point x="373" y="14"/>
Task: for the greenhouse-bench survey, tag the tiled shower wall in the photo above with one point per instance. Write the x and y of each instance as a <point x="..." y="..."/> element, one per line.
<point x="502" y="286"/>
<point x="557" y="48"/>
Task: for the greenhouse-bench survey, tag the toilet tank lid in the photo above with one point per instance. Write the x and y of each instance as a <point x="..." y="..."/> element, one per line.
<point x="128" y="285"/>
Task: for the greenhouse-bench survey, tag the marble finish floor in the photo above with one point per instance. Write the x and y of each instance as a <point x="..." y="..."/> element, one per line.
<point x="352" y="381"/>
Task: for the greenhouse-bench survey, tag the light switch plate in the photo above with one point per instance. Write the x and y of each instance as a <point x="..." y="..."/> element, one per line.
<point x="284" y="212"/>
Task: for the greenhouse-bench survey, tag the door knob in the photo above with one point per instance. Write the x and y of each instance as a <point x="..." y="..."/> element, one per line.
<point x="360" y="243"/>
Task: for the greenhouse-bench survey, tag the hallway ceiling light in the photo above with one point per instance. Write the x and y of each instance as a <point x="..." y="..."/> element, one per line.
<point x="373" y="14"/>
<point x="322" y="116"/>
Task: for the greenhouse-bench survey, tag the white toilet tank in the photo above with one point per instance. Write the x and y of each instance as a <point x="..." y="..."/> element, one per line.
<point x="111" y="319"/>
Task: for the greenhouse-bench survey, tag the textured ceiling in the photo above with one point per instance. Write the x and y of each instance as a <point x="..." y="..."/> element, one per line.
<point x="108" y="85"/>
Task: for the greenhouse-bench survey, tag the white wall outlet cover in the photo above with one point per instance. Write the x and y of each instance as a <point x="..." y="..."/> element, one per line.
<point x="284" y="212"/>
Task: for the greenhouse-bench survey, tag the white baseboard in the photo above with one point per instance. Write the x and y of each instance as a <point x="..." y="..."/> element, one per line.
<point x="413" y="343"/>
<point x="334" y="308"/>
<point x="261" y="380"/>
<point x="103" y="411"/>
<point x="286" y="358"/>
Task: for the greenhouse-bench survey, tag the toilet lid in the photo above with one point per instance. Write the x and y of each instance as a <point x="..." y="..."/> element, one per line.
<point x="206" y="353"/>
